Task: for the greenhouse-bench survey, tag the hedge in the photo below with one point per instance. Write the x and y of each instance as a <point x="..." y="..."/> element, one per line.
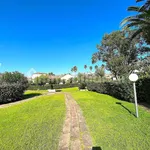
<point x="143" y="90"/>
<point x="52" y="86"/>
<point x="121" y="91"/>
<point x="11" y="92"/>
<point x="124" y="91"/>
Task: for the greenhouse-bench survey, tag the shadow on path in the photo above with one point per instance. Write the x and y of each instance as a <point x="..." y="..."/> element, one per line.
<point x="118" y="103"/>
<point x="96" y="148"/>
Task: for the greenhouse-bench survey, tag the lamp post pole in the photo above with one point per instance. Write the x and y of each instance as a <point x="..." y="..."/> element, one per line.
<point x="134" y="77"/>
<point x="135" y="99"/>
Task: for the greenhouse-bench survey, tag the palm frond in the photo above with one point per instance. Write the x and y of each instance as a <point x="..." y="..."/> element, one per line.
<point x="133" y="8"/>
<point x="136" y="33"/>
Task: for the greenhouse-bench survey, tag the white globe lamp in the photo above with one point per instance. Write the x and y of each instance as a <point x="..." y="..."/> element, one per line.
<point x="134" y="77"/>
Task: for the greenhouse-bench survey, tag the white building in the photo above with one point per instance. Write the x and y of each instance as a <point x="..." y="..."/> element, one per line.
<point x="38" y="74"/>
<point x="67" y="77"/>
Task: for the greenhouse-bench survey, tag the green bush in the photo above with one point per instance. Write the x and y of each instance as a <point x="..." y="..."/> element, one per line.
<point x="12" y="86"/>
<point x="51" y="86"/>
<point x="121" y="91"/>
<point x="143" y="89"/>
<point x="82" y="85"/>
<point x="11" y="92"/>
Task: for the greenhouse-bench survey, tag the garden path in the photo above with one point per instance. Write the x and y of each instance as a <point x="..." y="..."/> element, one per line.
<point x="75" y="134"/>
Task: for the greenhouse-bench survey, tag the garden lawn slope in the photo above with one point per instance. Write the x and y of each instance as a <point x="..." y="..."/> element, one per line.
<point x="32" y="125"/>
<point x="113" y="126"/>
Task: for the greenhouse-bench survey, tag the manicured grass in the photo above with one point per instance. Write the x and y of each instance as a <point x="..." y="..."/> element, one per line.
<point x="32" y="125"/>
<point x="112" y="126"/>
<point x="70" y="89"/>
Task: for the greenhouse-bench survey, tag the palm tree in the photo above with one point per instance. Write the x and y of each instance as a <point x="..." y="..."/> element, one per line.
<point x="75" y="68"/>
<point x="100" y="72"/>
<point x="85" y="67"/>
<point x="146" y="6"/>
<point x="140" y="22"/>
<point x="91" y="71"/>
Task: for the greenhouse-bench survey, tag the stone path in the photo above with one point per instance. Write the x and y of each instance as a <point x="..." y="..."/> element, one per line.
<point x="75" y="135"/>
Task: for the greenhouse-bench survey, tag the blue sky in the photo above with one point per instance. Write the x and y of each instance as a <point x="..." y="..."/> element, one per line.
<point x="53" y="36"/>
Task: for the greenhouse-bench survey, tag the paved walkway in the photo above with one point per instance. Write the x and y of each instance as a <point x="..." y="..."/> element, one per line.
<point x="75" y="135"/>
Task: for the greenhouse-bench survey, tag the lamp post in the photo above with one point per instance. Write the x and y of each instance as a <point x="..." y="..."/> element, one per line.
<point x="134" y="77"/>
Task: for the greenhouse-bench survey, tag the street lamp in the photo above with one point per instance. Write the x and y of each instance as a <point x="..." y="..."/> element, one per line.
<point x="134" y="77"/>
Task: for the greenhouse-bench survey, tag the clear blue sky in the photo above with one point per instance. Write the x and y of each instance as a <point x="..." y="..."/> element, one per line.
<point x="55" y="35"/>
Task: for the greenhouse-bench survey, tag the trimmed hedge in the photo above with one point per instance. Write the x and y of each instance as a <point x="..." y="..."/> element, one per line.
<point x="11" y="92"/>
<point x="82" y="85"/>
<point x="124" y="91"/>
<point x="52" y="86"/>
<point x="143" y="90"/>
<point x="121" y="91"/>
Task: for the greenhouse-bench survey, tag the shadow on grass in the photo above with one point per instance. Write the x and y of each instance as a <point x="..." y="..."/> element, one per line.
<point x="96" y="148"/>
<point x="118" y="103"/>
<point x="57" y="90"/>
<point x="26" y="96"/>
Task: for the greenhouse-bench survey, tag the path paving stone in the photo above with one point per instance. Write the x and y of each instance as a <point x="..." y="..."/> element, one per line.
<point x="75" y="134"/>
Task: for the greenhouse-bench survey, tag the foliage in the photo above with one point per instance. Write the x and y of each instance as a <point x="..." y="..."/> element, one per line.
<point x="80" y="75"/>
<point x="32" y="125"/>
<point x="52" y="86"/>
<point x="100" y="72"/>
<point x="42" y="80"/>
<point x="12" y="87"/>
<point x="120" y="55"/>
<point x="143" y="93"/>
<point x="82" y="85"/>
<point x="112" y="124"/>
<point x="14" y="77"/>
<point x="11" y="92"/>
<point x="119" y="90"/>
<point x="74" y="69"/>
<point x="140" y="22"/>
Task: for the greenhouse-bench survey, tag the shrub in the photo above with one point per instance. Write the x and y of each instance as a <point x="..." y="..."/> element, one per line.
<point x="12" y="86"/>
<point x="14" y="77"/>
<point x="122" y="91"/>
<point x="143" y="89"/>
<point x="82" y="85"/>
<point x="51" y="86"/>
<point x="11" y="92"/>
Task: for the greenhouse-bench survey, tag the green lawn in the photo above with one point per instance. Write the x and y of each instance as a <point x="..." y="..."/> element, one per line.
<point x="32" y="125"/>
<point x="70" y="89"/>
<point x="112" y="126"/>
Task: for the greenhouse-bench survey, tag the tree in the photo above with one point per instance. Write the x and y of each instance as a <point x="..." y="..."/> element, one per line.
<point x="80" y="77"/>
<point x="75" y="69"/>
<point x="42" y="80"/>
<point x="14" y="77"/>
<point x="51" y="74"/>
<point x="91" y="72"/>
<point x="119" y="53"/>
<point x="139" y="23"/>
<point x="85" y="67"/>
<point x="100" y="72"/>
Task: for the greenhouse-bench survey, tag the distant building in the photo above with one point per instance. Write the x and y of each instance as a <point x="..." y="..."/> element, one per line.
<point x="67" y="77"/>
<point x="38" y="74"/>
